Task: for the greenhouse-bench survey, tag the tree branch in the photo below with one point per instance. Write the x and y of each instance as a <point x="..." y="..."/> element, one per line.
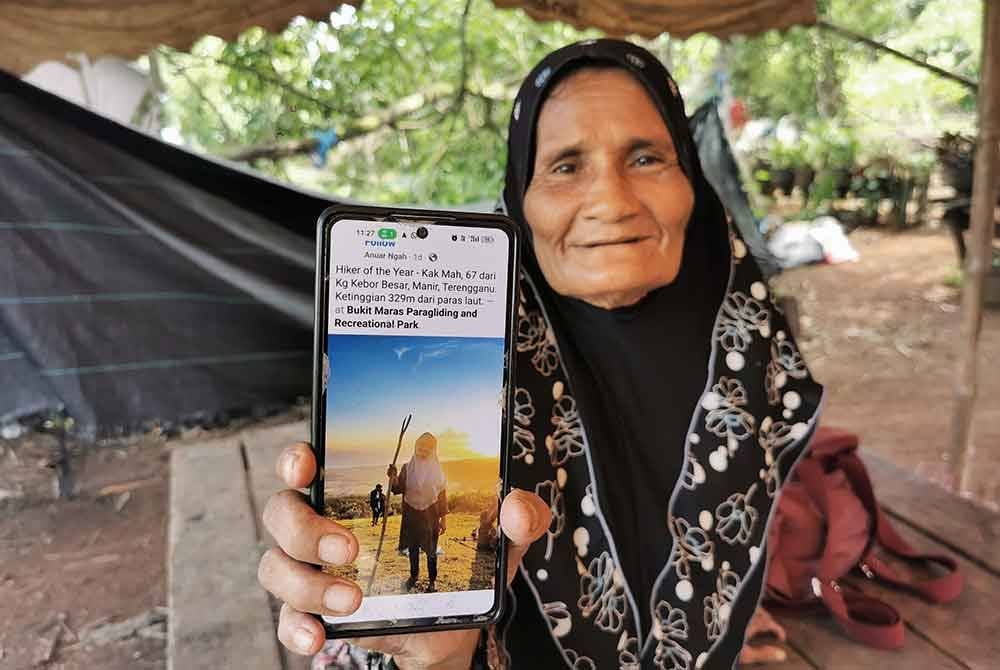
<point x="878" y="46"/>
<point x="464" y="50"/>
<point x="227" y="131"/>
<point x="376" y="120"/>
<point x="361" y="126"/>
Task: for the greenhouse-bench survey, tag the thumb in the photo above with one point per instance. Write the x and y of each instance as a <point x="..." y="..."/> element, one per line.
<point x="524" y="518"/>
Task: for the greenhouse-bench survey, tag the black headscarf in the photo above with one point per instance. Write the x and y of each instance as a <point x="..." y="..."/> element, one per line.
<point x="618" y="420"/>
<point x="640" y="369"/>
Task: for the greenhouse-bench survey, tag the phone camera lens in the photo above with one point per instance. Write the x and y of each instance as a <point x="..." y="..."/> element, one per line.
<point x="421" y="232"/>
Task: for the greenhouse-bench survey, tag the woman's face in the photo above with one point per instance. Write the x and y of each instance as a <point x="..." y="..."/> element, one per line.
<point x="608" y="202"/>
<point x="424" y="446"/>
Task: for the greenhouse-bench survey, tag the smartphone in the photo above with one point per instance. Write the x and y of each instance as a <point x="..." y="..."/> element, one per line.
<point x="410" y="421"/>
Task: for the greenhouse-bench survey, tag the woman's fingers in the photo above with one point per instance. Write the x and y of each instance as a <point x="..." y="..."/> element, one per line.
<point x="296" y="465"/>
<point x="305" y="535"/>
<point x="524" y="518"/>
<point x="762" y="623"/>
<point x="305" y="588"/>
<point x="302" y="633"/>
<point x="762" y="654"/>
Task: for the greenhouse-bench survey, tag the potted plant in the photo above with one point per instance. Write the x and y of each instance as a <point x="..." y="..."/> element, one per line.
<point x="832" y="150"/>
<point x="784" y="158"/>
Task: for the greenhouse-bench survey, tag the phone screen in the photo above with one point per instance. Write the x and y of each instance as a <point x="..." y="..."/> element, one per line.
<point x="414" y="371"/>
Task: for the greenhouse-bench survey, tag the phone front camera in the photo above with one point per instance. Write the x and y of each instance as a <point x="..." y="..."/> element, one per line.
<point x="421" y="232"/>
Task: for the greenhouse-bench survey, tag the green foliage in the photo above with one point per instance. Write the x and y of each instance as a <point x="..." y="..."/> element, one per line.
<point x="462" y="61"/>
<point x="265" y="88"/>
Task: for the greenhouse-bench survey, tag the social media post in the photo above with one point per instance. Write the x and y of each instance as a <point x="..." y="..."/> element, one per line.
<point x="413" y="423"/>
<point x="408" y="279"/>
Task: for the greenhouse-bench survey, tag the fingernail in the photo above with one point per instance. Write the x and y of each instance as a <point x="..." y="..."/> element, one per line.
<point x="288" y="466"/>
<point x="303" y="639"/>
<point x="339" y="598"/>
<point x="334" y="549"/>
<point x="536" y="519"/>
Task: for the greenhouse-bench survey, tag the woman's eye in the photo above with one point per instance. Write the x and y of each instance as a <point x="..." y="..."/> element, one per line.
<point x="646" y="159"/>
<point x="564" y="168"/>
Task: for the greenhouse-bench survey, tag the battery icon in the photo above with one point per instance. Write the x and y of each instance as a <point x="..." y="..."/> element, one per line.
<point x="387" y="233"/>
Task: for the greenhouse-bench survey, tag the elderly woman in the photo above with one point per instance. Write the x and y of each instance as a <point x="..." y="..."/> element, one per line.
<point x="661" y="402"/>
<point x="425" y="507"/>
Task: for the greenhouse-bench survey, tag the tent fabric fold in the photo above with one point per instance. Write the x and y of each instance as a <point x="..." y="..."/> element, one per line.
<point x="679" y="18"/>
<point x="35" y="31"/>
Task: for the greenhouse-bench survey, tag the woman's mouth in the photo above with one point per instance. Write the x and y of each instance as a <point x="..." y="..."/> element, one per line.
<point x="614" y="242"/>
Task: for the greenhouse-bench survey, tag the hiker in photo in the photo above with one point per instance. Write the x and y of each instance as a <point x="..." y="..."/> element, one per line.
<point x="376" y="500"/>
<point x="661" y="399"/>
<point x="425" y="507"/>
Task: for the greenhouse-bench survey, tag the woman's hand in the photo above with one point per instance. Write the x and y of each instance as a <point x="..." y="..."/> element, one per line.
<point x="304" y="537"/>
<point x="443" y="524"/>
<point x="762" y="623"/>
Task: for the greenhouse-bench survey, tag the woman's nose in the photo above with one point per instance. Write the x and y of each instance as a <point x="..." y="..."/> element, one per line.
<point x="610" y="198"/>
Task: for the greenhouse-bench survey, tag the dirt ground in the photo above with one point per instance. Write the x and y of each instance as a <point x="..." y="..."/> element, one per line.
<point x="880" y="334"/>
<point x="460" y="566"/>
<point x="83" y="580"/>
<point x="68" y="567"/>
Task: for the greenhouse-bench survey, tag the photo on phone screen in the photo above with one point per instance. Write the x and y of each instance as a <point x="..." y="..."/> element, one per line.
<point x="414" y="367"/>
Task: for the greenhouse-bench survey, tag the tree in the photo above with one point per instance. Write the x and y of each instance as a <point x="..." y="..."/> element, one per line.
<point x="418" y="94"/>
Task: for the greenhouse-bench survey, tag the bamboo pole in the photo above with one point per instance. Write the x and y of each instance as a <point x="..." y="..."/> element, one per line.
<point x="978" y="260"/>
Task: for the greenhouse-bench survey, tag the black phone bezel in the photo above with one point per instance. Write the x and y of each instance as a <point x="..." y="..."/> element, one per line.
<point x="327" y="220"/>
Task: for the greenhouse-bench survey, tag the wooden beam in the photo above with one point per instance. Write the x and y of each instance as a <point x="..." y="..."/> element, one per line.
<point x="979" y="258"/>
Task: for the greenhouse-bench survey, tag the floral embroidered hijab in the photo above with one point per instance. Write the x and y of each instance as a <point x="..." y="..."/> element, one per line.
<point x="756" y="413"/>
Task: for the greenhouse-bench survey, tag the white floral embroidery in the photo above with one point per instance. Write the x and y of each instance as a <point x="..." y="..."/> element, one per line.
<point x="524" y="438"/>
<point x="550" y="493"/>
<point x="579" y="662"/>
<point x="735" y="517"/>
<point x="726" y="416"/>
<point x="670" y="628"/>
<point x="691" y="543"/>
<point x="786" y="361"/>
<point x="718" y="606"/>
<point x="741" y="315"/>
<point x="535" y="336"/>
<point x="738" y="246"/>
<point x="628" y="652"/>
<point x="559" y="618"/>
<point x="772" y="438"/>
<point x="672" y="85"/>
<point x="566" y="441"/>
<point x="694" y="473"/>
<point x="602" y="594"/>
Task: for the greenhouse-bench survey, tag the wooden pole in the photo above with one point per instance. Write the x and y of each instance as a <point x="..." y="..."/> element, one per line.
<point x="979" y="257"/>
<point x="388" y="500"/>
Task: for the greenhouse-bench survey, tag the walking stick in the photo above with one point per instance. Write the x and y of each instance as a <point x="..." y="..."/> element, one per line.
<point x="388" y="499"/>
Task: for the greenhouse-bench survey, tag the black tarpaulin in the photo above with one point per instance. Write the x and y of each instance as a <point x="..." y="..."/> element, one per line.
<point x="141" y="282"/>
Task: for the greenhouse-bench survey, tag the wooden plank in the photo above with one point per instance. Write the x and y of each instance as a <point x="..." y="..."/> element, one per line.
<point x="948" y="519"/>
<point x="966" y="628"/>
<point x="218" y="613"/>
<point x="817" y="637"/>
<point x="262" y="447"/>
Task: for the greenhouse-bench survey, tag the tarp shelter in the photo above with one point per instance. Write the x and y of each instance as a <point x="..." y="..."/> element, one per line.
<point x="40" y="30"/>
<point x="139" y="281"/>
